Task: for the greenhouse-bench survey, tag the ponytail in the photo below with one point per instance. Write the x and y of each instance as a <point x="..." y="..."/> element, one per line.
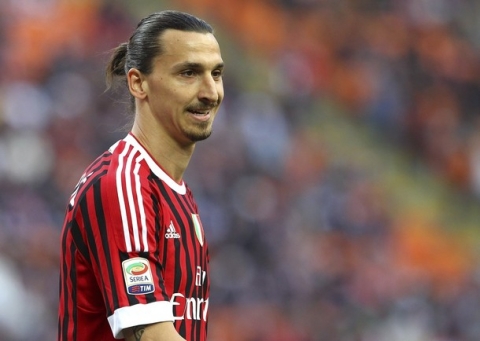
<point x="116" y="64"/>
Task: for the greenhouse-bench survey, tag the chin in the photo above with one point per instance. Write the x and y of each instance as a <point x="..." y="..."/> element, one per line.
<point x="203" y="137"/>
<point x="199" y="136"/>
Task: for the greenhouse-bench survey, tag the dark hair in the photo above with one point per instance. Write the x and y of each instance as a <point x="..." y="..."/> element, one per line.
<point x="144" y="44"/>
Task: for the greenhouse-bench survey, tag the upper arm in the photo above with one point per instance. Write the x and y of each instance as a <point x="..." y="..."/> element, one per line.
<point x="163" y="331"/>
<point x="119" y="221"/>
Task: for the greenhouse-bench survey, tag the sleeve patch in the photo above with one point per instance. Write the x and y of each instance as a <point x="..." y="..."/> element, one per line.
<point x="138" y="276"/>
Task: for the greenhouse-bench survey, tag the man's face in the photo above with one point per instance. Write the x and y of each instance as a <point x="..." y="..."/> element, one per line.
<point x="185" y="87"/>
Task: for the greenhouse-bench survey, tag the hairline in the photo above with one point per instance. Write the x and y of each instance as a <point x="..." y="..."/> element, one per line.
<point x="162" y="34"/>
<point x="161" y="46"/>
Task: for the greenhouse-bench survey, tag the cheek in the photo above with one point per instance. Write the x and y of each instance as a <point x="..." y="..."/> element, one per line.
<point x="220" y="91"/>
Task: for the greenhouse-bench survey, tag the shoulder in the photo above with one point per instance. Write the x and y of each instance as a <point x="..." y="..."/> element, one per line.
<point x="92" y="174"/>
<point x="118" y="168"/>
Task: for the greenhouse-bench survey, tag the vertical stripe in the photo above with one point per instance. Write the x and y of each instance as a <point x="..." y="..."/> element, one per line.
<point x="159" y="245"/>
<point x="73" y="294"/>
<point x="64" y="289"/>
<point x="131" y="201"/>
<point x="79" y="242"/>
<point x="192" y="246"/>
<point x="103" y="230"/>
<point x="141" y="208"/>
<point x="121" y="202"/>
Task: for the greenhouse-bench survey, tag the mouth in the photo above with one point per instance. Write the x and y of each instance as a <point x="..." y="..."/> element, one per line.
<point x="201" y="114"/>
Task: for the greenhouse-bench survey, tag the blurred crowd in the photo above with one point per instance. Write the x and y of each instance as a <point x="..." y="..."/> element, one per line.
<point x="311" y="234"/>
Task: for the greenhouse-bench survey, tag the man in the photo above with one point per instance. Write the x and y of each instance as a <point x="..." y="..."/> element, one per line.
<point x="134" y="257"/>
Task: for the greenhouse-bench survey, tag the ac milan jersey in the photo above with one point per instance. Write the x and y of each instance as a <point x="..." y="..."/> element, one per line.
<point x="133" y="251"/>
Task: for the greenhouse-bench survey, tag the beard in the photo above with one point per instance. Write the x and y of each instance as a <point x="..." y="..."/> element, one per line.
<point x="199" y="133"/>
<point x="201" y="130"/>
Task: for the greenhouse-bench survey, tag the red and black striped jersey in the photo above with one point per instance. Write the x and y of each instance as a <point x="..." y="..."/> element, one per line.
<point x="133" y="251"/>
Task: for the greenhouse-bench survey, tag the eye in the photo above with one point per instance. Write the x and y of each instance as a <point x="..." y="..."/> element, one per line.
<point x="188" y="73"/>
<point x="217" y="74"/>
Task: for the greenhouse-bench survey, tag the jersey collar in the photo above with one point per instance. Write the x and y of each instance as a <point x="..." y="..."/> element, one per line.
<point x="180" y="188"/>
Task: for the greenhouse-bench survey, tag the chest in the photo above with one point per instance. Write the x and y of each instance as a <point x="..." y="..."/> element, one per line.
<point x="184" y="249"/>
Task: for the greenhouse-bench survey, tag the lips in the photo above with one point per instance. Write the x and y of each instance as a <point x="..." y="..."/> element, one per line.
<point x="199" y="112"/>
<point x="200" y="115"/>
<point x="202" y="109"/>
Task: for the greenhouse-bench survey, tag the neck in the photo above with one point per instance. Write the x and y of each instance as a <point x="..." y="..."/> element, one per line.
<point x="171" y="156"/>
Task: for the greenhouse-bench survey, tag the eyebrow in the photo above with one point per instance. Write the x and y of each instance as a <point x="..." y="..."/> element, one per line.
<point x="197" y="66"/>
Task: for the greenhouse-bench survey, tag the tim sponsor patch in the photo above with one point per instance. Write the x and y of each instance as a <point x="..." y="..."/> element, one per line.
<point x="138" y="276"/>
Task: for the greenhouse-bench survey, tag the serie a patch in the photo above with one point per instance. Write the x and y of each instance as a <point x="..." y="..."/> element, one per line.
<point x="138" y="276"/>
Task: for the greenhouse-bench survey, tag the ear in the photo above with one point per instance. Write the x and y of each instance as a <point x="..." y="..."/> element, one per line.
<point x="136" y="83"/>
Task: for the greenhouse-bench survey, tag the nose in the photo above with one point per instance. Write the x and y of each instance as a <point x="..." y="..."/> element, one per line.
<point x="210" y="90"/>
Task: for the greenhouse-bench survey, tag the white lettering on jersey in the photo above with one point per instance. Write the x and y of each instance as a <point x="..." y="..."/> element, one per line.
<point x="192" y="308"/>
<point x="200" y="276"/>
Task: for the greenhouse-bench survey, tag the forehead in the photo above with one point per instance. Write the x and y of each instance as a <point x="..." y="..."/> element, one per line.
<point x="180" y="46"/>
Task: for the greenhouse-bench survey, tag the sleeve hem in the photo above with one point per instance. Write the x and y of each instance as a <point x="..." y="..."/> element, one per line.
<point x="139" y="314"/>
